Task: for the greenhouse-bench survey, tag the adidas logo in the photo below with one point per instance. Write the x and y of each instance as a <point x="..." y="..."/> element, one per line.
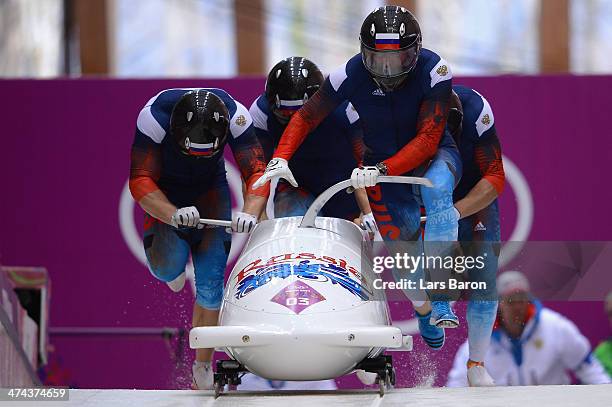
<point x="378" y="92"/>
<point x="479" y="227"/>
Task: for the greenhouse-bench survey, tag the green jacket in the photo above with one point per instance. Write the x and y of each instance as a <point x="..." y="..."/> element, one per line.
<point x="603" y="352"/>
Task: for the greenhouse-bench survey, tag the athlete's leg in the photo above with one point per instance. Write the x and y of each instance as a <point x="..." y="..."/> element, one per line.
<point x="480" y="236"/>
<point x="444" y="172"/>
<point x="396" y="211"/>
<point x="441" y="228"/>
<point x="209" y="251"/>
<point x="166" y="249"/>
<point x="397" y="215"/>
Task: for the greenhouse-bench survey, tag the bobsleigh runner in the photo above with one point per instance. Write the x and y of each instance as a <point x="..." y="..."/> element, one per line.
<point x="297" y="306"/>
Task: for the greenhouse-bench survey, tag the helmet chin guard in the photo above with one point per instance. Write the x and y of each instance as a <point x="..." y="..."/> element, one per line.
<point x="199" y="124"/>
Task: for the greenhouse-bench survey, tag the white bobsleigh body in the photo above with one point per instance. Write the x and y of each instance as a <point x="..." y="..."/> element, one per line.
<point x="297" y="305"/>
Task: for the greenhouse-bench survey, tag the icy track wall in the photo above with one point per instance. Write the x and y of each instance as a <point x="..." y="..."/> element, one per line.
<point x="64" y="165"/>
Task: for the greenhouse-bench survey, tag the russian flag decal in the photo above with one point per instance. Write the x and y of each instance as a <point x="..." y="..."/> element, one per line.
<point x="387" y="41"/>
<point x="200" y="149"/>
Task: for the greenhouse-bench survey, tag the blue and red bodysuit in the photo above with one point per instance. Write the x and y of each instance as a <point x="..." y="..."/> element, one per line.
<point x="157" y="164"/>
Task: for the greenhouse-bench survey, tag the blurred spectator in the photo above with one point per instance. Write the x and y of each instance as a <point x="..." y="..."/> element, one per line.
<point x="531" y="344"/>
<point x="603" y="352"/>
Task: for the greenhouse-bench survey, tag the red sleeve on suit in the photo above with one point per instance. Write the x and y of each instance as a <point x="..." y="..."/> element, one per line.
<point x="145" y="167"/>
<point x="430" y="126"/>
<point x="489" y="159"/>
<point x="304" y="121"/>
<point x="249" y="155"/>
<point x="358" y="150"/>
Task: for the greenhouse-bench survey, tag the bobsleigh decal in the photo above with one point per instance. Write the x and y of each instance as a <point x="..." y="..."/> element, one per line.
<point x="297" y="296"/>
<point x="254" y="275"/>
<point x="292" y="257"/>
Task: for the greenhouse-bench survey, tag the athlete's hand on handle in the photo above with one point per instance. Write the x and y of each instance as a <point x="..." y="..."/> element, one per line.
<point x="369" y="223"/>
<point x="363" y="177"/>
<point x="277" y="168"/>
<point x="243" y="222"/>
<point x="187" y="217"/>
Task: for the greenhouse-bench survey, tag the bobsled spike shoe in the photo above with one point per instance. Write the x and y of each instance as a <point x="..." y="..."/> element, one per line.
<point x="431" y="334"/>
<point x="202" y="376"/>
<point x="178" y="283"/>
<point x="478" y="376"/>
<point x="442" y="315"/>
<point x="367" y="378"/>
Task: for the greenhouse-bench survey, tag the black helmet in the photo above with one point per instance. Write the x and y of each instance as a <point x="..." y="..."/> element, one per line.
<point x="390" y="44"/>
<point x="199" y="123"/>
<point x="289" y="85"/>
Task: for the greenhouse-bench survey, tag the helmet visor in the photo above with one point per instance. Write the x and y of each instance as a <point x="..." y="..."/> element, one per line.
<point x="387" y="64"/>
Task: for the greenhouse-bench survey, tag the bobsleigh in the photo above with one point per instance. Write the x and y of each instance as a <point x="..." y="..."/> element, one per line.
<point x="299" y="306"/>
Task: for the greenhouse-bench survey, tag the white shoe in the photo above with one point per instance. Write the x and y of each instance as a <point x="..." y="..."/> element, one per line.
<point x="202" y="376"/>
<point x="367" y="378"/>
<point x="178" y="283"/>
<point x="479" y="377"/>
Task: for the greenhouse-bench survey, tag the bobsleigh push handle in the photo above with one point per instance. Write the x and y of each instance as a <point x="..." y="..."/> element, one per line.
<point x="308" y="221"/>
<point x="216" y="223"/>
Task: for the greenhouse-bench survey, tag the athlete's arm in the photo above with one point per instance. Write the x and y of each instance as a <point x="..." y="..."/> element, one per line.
<point x="260" y="124"/>
<point x="249" y="156"/>
<point x="145" y="165"/>
<point x="358" y="148"/>
<point x="354" y="133"/>
<point x="361" y="197"/>
<point x="157" y="205"/>
<point x="255" y="205"/>
<point x="266" y="143"/>
<point x="575" y="353"/>
<point x="489" y="159"/>
<point x="305" y="120"/>
<point x="430" y="125"/>
<point x="591" y="371"/>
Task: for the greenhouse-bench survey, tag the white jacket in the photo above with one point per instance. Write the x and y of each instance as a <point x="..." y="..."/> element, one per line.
<point x="550" y="347"/>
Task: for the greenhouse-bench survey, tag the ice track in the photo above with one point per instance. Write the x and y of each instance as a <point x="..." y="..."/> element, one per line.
<point x="540" y="396"/>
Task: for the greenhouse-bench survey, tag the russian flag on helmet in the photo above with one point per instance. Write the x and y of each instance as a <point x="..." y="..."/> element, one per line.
<point x="390" y="41"/>
<point x="200" y="149"/>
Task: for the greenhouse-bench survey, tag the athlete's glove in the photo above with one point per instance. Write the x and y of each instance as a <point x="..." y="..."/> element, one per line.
<point x="276" y="168"/>
<point x="363" y="177"/>
<point x="188" y="217"/>
<point x="457" y="213"/>
<point x="368" y="223"/>
<point x="243" y="222"/>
